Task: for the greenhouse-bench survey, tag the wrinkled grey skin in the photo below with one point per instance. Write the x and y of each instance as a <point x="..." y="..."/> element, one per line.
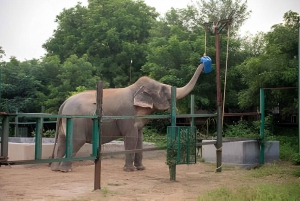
<point x="141" y="98"/>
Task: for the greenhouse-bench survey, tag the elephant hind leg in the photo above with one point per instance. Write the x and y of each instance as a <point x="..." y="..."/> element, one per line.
<point x="66" y="166"/>
<point x="61" y="149"/>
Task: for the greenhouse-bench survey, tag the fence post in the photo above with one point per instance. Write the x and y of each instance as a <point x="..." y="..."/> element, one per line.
<point x="4" y="137"/>
<point x="69" y="137"/>
<point x="172" y="167"/>
<point x="262" y="127"/>
<point x="38" y="139"/>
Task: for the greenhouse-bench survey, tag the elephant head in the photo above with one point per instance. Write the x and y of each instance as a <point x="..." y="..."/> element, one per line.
<point x="157" y="96"/>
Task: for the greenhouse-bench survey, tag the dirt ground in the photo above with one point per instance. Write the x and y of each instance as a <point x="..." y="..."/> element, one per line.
<point x="38" y="182"/>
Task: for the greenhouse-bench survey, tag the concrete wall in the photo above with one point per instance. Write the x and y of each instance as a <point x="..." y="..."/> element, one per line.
<point x="25" y="151"/>
<point x="242" y="152"/>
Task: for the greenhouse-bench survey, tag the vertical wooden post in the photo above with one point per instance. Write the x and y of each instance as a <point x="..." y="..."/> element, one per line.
<point x="4" y="137"/>
<point x="219" y="102"/>
<point x="99" y="101"/>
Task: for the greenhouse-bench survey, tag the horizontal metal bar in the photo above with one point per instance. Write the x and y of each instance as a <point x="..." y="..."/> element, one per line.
<point x="206" y="143"/>
<point x="136" y="117"/>
<point x="23" y="162"/>
<point x="159" y="116"/>
<point x="45" y="115"/>
<point x="130" y="151"/>
<point x="195" y="115"/>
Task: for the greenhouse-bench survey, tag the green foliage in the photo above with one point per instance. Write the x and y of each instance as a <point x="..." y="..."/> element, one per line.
<point x="151" y="135"/>
<point x="296" y="159"/>
<point x="274" y="65"/>
<point x="241" y="129"/>
<point x="296" y="173"/>
<point x="111" y="33"/>
<point x="78" y="90"/>
<point x="260" y="192"/>
<point x="20" y="88"/>
<point x="267" y="170"/>
<point x="48" y="133"/>
<point x="238" y="10"/>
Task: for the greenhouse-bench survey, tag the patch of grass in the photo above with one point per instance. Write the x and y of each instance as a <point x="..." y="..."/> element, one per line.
<point x="105" y="191"/>
<point x="296" y="173"/>
<point x="296" y="159"/>
<point x="260" y="192"/>
<point x="267" y="170"/>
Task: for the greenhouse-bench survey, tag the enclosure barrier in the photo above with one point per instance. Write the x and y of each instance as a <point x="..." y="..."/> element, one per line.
<point x="96" y="136"/>
<point x="38" y="138"/>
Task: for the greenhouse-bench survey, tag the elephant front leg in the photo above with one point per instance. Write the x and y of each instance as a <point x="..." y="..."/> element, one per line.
<point x="139" y="156"/>
<point x="130" y="144"/>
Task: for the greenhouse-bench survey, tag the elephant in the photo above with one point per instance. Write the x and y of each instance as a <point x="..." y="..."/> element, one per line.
<point x="143" y="97"/>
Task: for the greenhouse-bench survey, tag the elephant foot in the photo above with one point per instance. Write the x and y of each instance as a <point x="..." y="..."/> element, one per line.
<point x="140" y="167"/>
<point x="66" y="170"/>
<point x="129" y="169"/>
<point x="55" y="166"/>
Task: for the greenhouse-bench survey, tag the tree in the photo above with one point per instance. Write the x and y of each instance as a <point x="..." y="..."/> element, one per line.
<point x="2" y="52"/>
<point x="215" y="10"/>
<point x="174" y="55"/>
<point x="75" y="73"/>
<point x="110" y="33"/>
<point x="20" y="89"/>
<point x="277" y="67"/>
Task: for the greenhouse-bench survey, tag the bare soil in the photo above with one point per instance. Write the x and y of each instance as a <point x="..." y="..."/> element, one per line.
<point x="38" y="182"/>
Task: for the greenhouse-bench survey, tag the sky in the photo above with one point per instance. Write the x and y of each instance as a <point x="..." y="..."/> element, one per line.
<point x="26" y="24"/>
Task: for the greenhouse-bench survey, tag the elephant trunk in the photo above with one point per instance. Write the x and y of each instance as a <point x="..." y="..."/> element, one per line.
<point x="184" y="91"/>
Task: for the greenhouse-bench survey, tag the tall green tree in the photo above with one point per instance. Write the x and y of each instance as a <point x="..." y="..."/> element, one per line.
<point x="20" y="89"/>
<point x="277" y="67"/>
<point x="174" y="55"/>
<point x="112" y="33"/>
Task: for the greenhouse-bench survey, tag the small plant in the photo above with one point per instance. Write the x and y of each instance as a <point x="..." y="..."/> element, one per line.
<point x="105" y="191"/>
<point x="296" y="159"/>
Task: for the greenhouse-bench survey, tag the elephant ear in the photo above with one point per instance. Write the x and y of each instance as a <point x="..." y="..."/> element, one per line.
<point x="143" y="99"/>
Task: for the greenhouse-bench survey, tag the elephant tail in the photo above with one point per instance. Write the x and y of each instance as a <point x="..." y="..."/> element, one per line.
<point x="58" y="127"/>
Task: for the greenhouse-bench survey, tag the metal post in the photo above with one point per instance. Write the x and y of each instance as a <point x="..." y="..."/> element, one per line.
<point x="38" y="139"/>
<point x="262" y="126"/>
<point x="219" y="103"/>
<point x="16" y="124"/>
<point x="192" y="110"/>
<point x="69" y="137"/>
<point x="172" y="167"/>
<point x="97" y="172"/>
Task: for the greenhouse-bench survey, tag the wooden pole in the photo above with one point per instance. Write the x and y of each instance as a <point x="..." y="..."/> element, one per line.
<point x="219" y="102"/>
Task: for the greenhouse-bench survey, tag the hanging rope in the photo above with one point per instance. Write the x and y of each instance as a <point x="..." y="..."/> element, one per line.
<point x="205" y="41"/>
<point x="226" y="66"/>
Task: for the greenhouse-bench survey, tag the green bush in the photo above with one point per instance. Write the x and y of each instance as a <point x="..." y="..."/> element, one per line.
<point x="151" y="135"/>
<point x="296" y="159"/>
<point x="47" y="133"/>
